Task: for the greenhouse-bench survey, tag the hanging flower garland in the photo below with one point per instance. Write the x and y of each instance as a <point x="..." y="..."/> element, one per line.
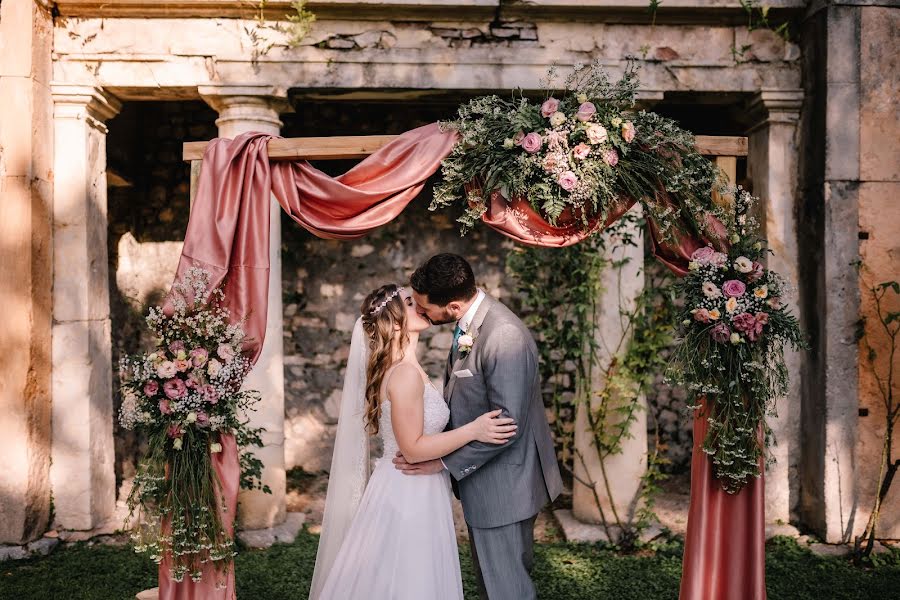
<point x="574" y="157"/>
<point x="185" y="395"/>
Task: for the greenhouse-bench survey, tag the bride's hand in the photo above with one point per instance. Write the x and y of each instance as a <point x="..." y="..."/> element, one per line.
<point x="491" y="428"/>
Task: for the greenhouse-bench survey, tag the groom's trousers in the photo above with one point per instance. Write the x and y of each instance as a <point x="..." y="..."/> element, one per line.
<point x="502" y="558"/>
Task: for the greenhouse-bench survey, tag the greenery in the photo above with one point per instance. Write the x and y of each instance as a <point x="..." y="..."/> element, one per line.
<point x="561" y="288"/>
<point x="563" y="571"/>
<point x="882" y="367"/>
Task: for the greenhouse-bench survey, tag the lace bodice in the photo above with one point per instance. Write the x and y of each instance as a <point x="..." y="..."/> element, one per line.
<point x="437" y="414"/>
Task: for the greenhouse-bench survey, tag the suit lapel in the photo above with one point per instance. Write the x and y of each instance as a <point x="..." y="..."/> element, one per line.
<point x="474" y="327"/>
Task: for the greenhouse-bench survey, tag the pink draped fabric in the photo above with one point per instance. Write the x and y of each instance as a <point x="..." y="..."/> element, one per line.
<point x="213" y="585"/>
<point x="228" y="235"/>
<point x="724" y="547"/>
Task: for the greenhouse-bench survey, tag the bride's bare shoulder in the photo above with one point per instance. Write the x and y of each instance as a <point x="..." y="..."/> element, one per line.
<point x="403" y="380"/>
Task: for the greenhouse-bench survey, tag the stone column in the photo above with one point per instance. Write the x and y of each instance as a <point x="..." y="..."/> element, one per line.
<point x="82" y="473"/>
<point x="621" y="287"/>
<point x="242" y="109"/>
<point x="26" y="269"/>
<point x="773" y="168"/>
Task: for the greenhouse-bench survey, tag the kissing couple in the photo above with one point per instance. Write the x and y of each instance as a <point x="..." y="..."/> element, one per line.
<point x="389" y="534"/>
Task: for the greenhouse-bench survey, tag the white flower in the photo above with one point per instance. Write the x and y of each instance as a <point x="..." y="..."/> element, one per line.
<point x="596" y="133"/>
<point x="215" y="447"/>
<point x="710" y="290"/>
<point x="213" y="367"/>
<point x="582" y="98"/>
<point x="616" y="121"/>
<point x="466" y="341"/>
<point x="557" y="119"/>
<point x="191" y="417"/>
<point x="508" y="143"/>
<point x="731" y="305"/>
<point x="176" y="443"/>
<point x="743" y="264"/>
<point x="166" y="370"/>
<point x="736" y="339"/>
<point x="693" y="265"/>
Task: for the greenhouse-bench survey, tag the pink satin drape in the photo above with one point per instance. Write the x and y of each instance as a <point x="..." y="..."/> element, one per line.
<point x="228" y="235"/>
<point x="214" y="585"/>
<point x="724" y="546"/>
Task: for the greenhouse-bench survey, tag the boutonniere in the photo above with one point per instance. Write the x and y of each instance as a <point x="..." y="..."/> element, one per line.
<point x="465" y="344"/>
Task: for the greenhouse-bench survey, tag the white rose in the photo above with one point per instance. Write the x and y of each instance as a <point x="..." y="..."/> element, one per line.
<point x="177" y="443"/>
<point x="215" y="447"/>
<point x="166" y="370"/>
<point x="582" y="98"/>
<point x="466" y="341"/>
<point x="557" y="119"/>
<point x="191" y="417"/>
<point x="736" y="339"/>
<point x="743" y="264"/>
<point x="213" y="367"/>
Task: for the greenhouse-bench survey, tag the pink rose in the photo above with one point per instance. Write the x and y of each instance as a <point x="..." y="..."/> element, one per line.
<point x="586" y="111"/>
<point x="164" y="406"/>
<point x="611" y="157"/>
<point x="550" y="106"/>
<point x="550" y="162"/>
<point x="531" y="143"/>
<point x="720" y="333"/>
<point x="225" y="352"/>
<point x="756" y="272"/>
<point x="176" y="347"/>
<point x="517" y="139"/>
<point x="581" y="151"/>
<point x="567" y="180"/>
<point x="199" y="356"/>
<point x="151" y="387"/>
<point x="703" y="255"/>
<point x="209" y="393"/>
<point x="628" y="131"/>
<point x="174" y="388"/>
<point x="174" y="430"/>
<point x="202" y="418"/>
<point x="734" y="288"/>
<point x="702" y="315"/>
<point x="744" y="322"/>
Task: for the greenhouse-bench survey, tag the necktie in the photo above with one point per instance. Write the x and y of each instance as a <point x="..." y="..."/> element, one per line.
<point x="456" y="334"/>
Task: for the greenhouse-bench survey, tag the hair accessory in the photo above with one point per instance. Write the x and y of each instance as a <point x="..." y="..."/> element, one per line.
<point x="384" y="303"/>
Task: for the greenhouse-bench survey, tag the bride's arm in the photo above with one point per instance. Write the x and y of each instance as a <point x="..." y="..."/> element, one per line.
<point x="405" y="390"/>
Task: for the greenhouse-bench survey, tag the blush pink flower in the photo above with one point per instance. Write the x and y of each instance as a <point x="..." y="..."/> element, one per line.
<point x="209" y="393"/>
<point x="166" y="369"/>
<point x="567" y="180"/>
<point x="586" y="111"/>
<point x="702" y="315"/>
<point x="176" y="347"/>
<point x="191" y="382"/>
<point x="151" y="387"/>
<point x="174" y="430"/>
<point x="225" y="352"/>
<point x="550" y="106"/>
<point x="531" y="143"/>
<point x="550" y="162"/>
<point x="703" y="255"/>
<point x="628" y="131"/>
<point x="756" y="272"/>
<point x="581" y="151"/>
<point x="164" y="406"/>
<point x="182" y="365"/>
<point x="202" y="418"/>
<point x="734" y="288"/>
<point x="174" y="388"/>
<point x="517" y="139"/>
<point x="199" y="356"/>
<point x="611" y="157"/>
<point x="719" y="259"/>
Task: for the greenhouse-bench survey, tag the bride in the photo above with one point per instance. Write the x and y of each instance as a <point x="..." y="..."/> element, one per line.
<point x="393" y="537"/>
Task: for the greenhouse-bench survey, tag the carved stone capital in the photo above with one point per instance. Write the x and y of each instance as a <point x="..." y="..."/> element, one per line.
<point x="87" y="102"/>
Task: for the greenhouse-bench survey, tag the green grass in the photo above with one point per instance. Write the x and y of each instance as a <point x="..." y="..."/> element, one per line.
<point x="562" y="571"/>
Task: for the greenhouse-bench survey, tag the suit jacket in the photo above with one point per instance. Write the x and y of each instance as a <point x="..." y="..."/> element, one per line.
<point x="501" y="484"/>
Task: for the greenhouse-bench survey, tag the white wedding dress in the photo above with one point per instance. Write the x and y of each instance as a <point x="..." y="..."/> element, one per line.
<point x="401" y="544"/>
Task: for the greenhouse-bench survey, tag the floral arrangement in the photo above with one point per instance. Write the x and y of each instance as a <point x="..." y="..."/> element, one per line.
<point x="184" y="396"/>
<point x="733" y="331"/>
<point x="575" y="155"/>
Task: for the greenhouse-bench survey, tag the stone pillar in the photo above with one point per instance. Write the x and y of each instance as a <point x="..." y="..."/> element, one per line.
<point x="82" y="474"/>
<point x="242" y="109"/>
<point x="772" y="167"/>
<point x="621" y="287"/>
<point x="829" y="292"/>
<point x="26" y="269"/>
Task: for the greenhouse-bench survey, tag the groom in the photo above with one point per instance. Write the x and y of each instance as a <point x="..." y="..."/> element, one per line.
<point x="493" y="364"/>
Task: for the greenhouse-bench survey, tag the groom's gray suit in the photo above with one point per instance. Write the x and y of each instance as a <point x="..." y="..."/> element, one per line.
<point x="502" y="487"/>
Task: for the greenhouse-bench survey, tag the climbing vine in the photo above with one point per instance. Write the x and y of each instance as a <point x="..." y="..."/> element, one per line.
<point x="560" y="289"/>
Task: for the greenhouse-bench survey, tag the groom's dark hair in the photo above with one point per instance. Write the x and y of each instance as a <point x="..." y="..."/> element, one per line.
<point x="444" y="278"/>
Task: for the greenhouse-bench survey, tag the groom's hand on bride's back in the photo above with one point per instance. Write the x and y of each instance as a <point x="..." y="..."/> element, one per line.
<point x="429" y="467"/>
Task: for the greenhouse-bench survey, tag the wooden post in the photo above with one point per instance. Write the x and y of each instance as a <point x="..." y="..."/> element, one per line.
<point x="195" y="178"/>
